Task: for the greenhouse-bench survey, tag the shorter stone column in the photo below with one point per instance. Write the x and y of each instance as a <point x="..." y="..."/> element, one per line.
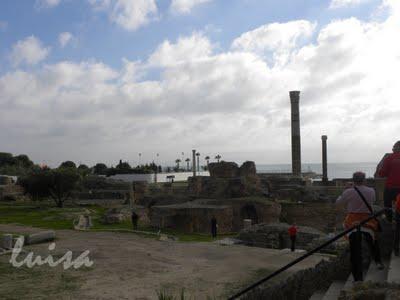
<point x="194" y="163"/>
<point x="324" y="159"/>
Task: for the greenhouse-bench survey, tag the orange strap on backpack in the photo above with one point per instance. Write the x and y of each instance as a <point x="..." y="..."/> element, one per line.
<point x="398" y="203"/>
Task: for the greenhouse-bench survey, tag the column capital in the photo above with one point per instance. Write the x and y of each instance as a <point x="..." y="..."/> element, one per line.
<point x="324" y="137"/>
<point x="294" y="95"/>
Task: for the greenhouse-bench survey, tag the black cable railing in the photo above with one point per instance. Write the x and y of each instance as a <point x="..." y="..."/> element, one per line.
<point x="297" y="260"/>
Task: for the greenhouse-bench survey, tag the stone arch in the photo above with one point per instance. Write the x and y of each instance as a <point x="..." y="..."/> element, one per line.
<point x="249" y="212"/>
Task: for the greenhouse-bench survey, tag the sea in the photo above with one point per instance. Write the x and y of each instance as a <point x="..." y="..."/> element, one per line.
<point x="335" y="170"/>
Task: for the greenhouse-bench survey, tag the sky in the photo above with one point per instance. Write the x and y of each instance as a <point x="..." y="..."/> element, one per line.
<point x="102" y="80"/>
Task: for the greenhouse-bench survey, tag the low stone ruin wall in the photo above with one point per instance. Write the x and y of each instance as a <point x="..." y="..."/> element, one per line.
<point x="259" y="210"/>
<point x="195" y="216"/>
<point x="191" y="217"/>
<point x="276" y="236"/>
<point x="10" y="192"/>
<point x="101" y="202"/>
<point x="100" y="194"/>
<point x="323" y="216"/>
<point x="302" y="284"/>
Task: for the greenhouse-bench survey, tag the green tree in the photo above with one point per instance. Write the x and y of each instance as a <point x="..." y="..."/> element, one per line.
<point x="83" y="169"/>
<point x="187" y="163"/>
<point x="100" y="169"/>
<point x="37" y="184"/>
<point x="64" y="180"/>
<point x="6" y="159"/>
<point x="56" y="184"/>
<point x="23" y="160"/>
<point x="68" y="164"/>
<point x="177" y="161"/>
<point x="123" y="168"/>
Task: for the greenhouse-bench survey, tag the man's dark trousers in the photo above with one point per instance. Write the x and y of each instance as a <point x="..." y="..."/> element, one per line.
<point x="390" y="198"/>
<point x="292" y="242"/>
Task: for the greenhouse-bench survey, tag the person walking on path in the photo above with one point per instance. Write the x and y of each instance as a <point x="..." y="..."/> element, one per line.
<point x="292" y="235"/>
<point x="135" y="219"/>
<point x="358" y="199"/>
<point x="214" y="227"/>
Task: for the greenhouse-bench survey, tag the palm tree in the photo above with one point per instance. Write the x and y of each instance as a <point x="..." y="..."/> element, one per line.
<point x="177" y="163"/>
<point x="198" y="161"/>
<point x="187" y="163"/>
<point x="218" y="157"/>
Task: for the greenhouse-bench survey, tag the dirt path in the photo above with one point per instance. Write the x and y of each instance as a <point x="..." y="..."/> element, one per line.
<point x="127" y="266"/>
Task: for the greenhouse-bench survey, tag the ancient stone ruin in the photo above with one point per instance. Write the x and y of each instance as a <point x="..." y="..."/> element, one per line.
<point x="276" y="236"/>
<point x="227" y="180"/>
<point x="231" y="194"/>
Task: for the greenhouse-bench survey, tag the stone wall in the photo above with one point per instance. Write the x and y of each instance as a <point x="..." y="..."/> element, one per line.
<point x="323" y="216"/>
<point x="192" y="217"/>
<point x="226" y="180"/>
<point x="195" y="216"/>
<point x="276" y="236"/>
<point x="302" y="284"/>
<point x="259" y="210"/>
<point x="10" y="192"/>
<point x="100" y="194"/>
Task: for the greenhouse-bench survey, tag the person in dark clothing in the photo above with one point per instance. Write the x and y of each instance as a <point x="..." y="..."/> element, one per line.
<point x="214" y="227"/>
<point x="397" y="228"/>
<point x="135" y="219"/>
<point x="390" y="169"/>
<point x="292" y="235"/>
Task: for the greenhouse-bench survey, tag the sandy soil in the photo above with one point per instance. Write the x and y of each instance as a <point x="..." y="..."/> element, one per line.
<point x="127" y="266"/>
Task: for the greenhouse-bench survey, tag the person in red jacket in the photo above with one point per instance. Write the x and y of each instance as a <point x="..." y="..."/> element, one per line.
<point x="292" y="235"/>
<point x="390" y="168"/>
<point x="397" y="230"/>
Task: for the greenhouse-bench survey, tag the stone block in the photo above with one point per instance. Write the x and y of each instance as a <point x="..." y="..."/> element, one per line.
<point x="7" y="241"/>
<point x="248" y="168"/>
<point x="247" y="223"/>
<point x="41" y="237"/>
<point x="84" y="222"/>
<point x="223" y="170"/>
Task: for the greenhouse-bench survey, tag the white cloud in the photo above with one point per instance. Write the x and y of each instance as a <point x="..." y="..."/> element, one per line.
<point x="393" y="6"/>
<point x="185" y="6"/>
<point x="42" y="4"/>
<point x="186" y="49"/>
<point x="65" y="38"/>
<point x="280" y="38"/>
<point x="346" y="3"/>
<point x="129" y="14"/>
<point x="274" y="36"/>
<point x="29" y="51"/>
<point x="231" y="102"/>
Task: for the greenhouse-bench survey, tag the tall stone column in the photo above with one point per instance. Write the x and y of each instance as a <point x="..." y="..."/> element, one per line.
<point x="296" y="146"/>
<point x="194" y="163"/>
<point x="324" y="159"/>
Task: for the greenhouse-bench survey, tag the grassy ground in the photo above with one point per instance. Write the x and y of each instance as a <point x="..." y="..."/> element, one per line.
<point x="45" y="215"/>
<point x="36" y="283"/>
